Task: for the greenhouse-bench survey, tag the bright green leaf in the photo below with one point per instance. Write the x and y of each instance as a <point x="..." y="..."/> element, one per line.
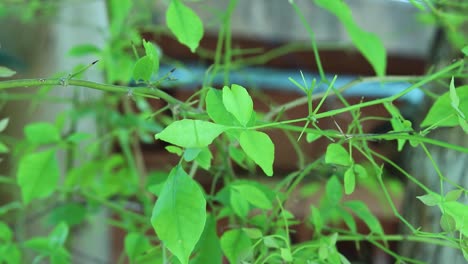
<point x="286" y="254"/>
<point x="311" y="137"/>
<point x="337" y="154"/>
<point x="204" y="158"/>
<point x="253" y="233"/>
<point x="215" y="108"/>
<point x="259" y="147"/>
<point x="431" y="199"/>
<point x="38" y="175"/>
<point x="152" y="52"/>
<point x="349" y="181"/>
<point x="236" y="245"/>
<point x="348" y="219"/>
<point x="174" y="150"/>
<point x="442" y="112"/>
<point x="453" y="195"/>
<point x="6" y="72"/>
<point x="459" y="213"/>
<point x="191" y="153"/>
<point x="42" y="133"/>
<point x="334" y="190"/>
<point x="179" y="214"/>
<point x="238" y="102"/>
<point x="119" y="11"/>
<point x="184" y="24"/>
<point x="5" y="233"/>
<point x="363" y="212"/>
<point x="367" y="43"/>
<point x="72" y="214"/>
<point x="254" y="195"/>
<point x="189" y="133"/>
<point x="143" y="69"/>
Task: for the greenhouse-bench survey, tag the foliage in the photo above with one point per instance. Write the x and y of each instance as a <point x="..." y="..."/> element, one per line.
<point x="213" y="133"/>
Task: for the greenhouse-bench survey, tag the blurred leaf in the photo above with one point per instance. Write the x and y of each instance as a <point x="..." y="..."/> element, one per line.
<point x="334" y="190"/>
<point x="337" y="154"/>
<point x="216" y="109"/>
<point x="363" y="212"/>
<point x="209" y="247"/>
<point x="254" y="195"/>
<point x="349" y="181"/>
<point x="239" y="203"/>
<point x="184" y="24"/>
<point x="84" y="49"/>
<point x="6" y="72"/>
<point x="236" y="245"/>
<point x="136" y="244"/>
<point x="143" y="69"/>
<point x="42" y="133"/>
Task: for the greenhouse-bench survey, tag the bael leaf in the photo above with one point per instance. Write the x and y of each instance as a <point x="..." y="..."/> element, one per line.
<point x="363" y="212"/>
<point x="337" y="154"/>
<point x="349" y="180"/>
<point x="184" y="24"/>
<point x="38" y="175"/>
<point x="236" y="245"/>
<point x="238" y="102"/>
<point x="6" y="72"/>
<point x="254" y="195"/>
<point x="190" y="133"/>
<point x="179" y="214"/>
<point x="259" y="147"/>
<point x="442" y="112"/>
<point x="216" y="110"/>
<point x="42" y="133"/>
<point x="367" y="43"/>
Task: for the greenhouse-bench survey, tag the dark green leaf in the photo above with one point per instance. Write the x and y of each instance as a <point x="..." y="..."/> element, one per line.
<point x="179" y="214"/>
<point x="236" y="245"/>
<point x="259" y="147"/>
<point x="184" y="24"/>
<point x="189" y="133"/>
<point x="363" y="212"/>
<point x="38" y="175"/>
<point x="337" y="154"/>
<point x="465" y="50"/>
<point x="42" y="133"/>
<point x="3" y="148"/>
<point x="238" y="102"/>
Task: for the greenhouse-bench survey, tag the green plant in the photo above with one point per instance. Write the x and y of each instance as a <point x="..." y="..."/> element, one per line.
<point x="211" y="132"/>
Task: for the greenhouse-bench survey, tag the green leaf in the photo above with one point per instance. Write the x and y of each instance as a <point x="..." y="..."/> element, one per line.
<point x="254" y="195"/>
<point x="3" y="148"/>
<point x="465" y="50"/>
<point x="119" y="11"/>
<point x="4" y="124"/>
<point x="6" y="72"/>
<point x="38" y="175"/>
<point x="152" y="52"/>
<point x="363" y="212"/>
<point x="334" y="190"/>
<point x="209" y="247"/>
<point x="442" y="112"/>
<point x="367" y="43"/>
<point x="311" y="137"/>
<point x="360" y="170"/>
<point x="42" y="133"/>
<point x="5" y="233"/>
<point x="59" y="235"/>
<point x="216" y="110"/>
<point x="286" y="255"/>
<point x="238" y="102"/>
<point x="191" y="153"/>
<point x="184" y="24"/>
<point x="431" y="199"/>
<point x="239" y="203"/>
<point x="190" y="133"/>
<point x="447" y="223"/>
<point x="316" y="219"/>
<point x="179" y="214"/>
<point x="337" y="154"/>
<point x="253" y="233"/>
<point x="84" y="49"/>
<point x="135" y="245"/>
<point x="174" y="150"/>
<point x="204" y="158"/>
<point x="259" y="147"/>
<point x="348" y="219"/>
<point x="236" y="246"/>
<point x="72" y="214"/>
<point x="349" y="181"/>
<point x="143" y="69"/>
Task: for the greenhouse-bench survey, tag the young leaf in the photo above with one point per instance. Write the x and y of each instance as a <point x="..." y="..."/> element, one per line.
<point x="367" y="43"/>
<point x="189" y="133"/>
<point x="349" y="181"/>
<point x="442" y="112"/>
<point x="254" y="195"/>
<point x="42" y="133"/>
<point x="259" y="147"/>
<point x="152" y="52"/>
<point x="337" y="154"/>
<point x="179" y="214"/>
<point x="184" y="24"/>
<point x="236" y="245"/>
<point x="216" y="110"/>
<point x="311" y="137"/>
<point x="431" y="199"/>
<point x="363" y="212"/>
<point x="38" y="175"/>
<point x="6" y="72"/>
<point x="453" y="195"/>
<point x="238" y="102"/>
